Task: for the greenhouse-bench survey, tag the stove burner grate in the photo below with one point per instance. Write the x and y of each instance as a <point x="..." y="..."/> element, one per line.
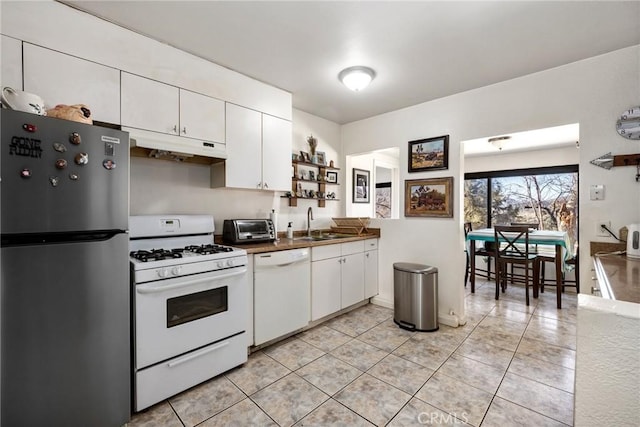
<point x="156" y="254"/>
<point x="208" y="249"/>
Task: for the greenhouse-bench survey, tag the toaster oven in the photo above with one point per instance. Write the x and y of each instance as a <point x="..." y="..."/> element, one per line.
<point x="237" y="231"/>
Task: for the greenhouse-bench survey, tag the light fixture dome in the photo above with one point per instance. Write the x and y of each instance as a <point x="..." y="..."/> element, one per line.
<point x="356" y="78"/>
<point x="499" y="141"/>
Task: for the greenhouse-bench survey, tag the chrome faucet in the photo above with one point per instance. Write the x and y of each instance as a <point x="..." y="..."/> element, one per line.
<point x="309" y="218"/>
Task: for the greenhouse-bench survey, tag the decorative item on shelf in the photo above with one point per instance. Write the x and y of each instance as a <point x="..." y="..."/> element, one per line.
<point x="332" y="177"/>
<point x="331" y="195"/>
<point x="294" y="157"/>
<point x="331" y="164"/>
<point x="360" y="186"/>
<point x="320" y="194"/>
<point x="429" y="197"/>
<point x="313" y="143"/>
<point x="304" y="174"/>
<point x="321" y="158"/>
<point x="312" y="176"/>
<point x="304" y="157"/>
<point x="312" y="194"/>
<point x="320" y="177"/>
<point x="429" y="154"/>
<point x="289" y="194"/>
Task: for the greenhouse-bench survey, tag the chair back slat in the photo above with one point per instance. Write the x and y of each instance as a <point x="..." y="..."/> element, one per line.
<point x="511" y="239"/>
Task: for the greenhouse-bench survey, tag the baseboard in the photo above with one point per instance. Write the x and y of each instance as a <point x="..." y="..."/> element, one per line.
<point x="377" y="300"/>
<point x="452" y="320"/>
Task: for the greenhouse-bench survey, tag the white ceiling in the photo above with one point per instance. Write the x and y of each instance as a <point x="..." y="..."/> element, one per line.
<point x="420" y="50"/>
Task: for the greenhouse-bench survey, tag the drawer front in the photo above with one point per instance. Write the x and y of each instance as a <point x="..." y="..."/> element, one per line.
<point x="371" y="244"/>
<point x="168" y="378"/>
<point x="324" y="252"/>
<point x="352" y="247"/>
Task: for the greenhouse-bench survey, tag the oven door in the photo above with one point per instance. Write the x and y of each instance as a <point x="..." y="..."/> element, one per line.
<point x="178" y="315"/>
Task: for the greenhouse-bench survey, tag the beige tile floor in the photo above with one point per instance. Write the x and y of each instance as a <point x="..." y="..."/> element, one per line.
<point x="510" y="365"/>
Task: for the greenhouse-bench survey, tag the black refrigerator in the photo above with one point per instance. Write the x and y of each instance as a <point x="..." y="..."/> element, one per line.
<point x="65" y="302"/>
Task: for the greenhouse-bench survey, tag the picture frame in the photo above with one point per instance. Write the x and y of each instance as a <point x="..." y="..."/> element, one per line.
<point x="304" y="157"/>
<point x="321" y="157"/>
<point x="432" y="197"/>
<point x="332" y="177"/>
<point x="361" y="187"/>
<point x="294" y="157"/>
<point x="429" y="154"/>
<point x="312" y="176"/>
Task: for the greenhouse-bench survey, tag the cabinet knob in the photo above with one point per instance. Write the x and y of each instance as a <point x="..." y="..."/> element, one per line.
<point x="175" y="128"/>
<point x="594" y="290"/>
<point x="258" y="185"/>
<point x="367" y="254"/>
<point x="184" y="130"/>
<point x="266" y="185"/>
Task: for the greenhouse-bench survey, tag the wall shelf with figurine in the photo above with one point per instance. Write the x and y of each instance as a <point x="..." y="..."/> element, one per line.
<point x="312" y="173"/>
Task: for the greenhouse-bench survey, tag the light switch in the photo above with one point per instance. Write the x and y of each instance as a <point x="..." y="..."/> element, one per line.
<point x="597" y="192"/>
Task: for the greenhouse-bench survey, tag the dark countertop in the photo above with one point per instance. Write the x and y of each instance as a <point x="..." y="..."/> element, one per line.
<point x="284" y="244"/>
<point x="621" y="276"/>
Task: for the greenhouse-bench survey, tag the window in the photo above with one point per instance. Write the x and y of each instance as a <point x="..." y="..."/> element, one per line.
<point x="544" y="196"/>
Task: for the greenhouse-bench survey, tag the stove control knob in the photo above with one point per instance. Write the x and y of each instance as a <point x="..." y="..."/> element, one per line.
<point x="163" y="272"/>
<point x="229" y="263"/>
<point x="220" y="264"/>
<point x="176" y="270"/>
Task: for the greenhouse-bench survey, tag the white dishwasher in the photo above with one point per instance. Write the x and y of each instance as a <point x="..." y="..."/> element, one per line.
<point x="282" y="293"/>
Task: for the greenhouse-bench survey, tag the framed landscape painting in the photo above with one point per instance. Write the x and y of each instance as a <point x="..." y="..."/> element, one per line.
<point x="429" y="197"/>
<point x="429" y="154"/>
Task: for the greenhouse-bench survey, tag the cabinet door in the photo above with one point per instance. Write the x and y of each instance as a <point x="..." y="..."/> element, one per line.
<point x="201" y="117"/>
<point x="150" y="105"/>
<point x="352" y="279"/>
<point x="63" y="79"/>
<point x="325" y="287"/>
<point x="244" y="136"/>
<point x="370" y="274"/>
<point x="276" y="153"/>
<point x="11" y="73"/>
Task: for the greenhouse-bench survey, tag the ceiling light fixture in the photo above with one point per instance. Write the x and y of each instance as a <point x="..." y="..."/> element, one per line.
<point x="499" y="141"/>
<point x="356" y="78"/>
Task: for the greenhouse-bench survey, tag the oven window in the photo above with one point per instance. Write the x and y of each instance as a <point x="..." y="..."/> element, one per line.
<point x="195" y="306"/>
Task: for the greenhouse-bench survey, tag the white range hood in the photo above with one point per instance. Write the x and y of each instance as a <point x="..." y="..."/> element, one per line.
<point x="174" y="146"/>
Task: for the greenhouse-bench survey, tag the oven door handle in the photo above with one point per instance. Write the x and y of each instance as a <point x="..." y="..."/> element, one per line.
<point x="153" y="289"/>
<point x="197" y="354"/>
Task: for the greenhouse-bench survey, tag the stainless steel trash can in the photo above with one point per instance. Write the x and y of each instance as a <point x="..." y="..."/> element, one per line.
<point x="415" y="296"/>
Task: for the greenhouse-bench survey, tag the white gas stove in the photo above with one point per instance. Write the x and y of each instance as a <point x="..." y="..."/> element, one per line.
<point x="191" y="304"/>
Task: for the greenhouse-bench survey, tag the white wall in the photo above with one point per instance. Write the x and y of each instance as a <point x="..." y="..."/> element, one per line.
<point x="159" y="186"/>
<point x="592" y="93"/>
<point x="521" y="160"/>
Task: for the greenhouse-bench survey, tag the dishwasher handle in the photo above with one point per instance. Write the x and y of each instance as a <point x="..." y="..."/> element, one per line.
<point x="281" y="259"/>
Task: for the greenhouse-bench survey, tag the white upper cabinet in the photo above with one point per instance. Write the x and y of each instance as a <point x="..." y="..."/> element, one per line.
<point x="276" y="153"/>
<point x="201" y="117"/>
<point x="243" y="166"/>
<point x="11" y="72"/>
<point x="258" y="152"/>
<point x="150" y="105"/>
<point x="63" y="79"/>
<point x="158" y="107"/>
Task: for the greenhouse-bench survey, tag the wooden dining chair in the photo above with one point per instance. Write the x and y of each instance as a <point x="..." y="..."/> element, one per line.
<point x="572" y="262"/>
<point x="513" y="248"/>
<point x="486" y="251"/>
<point x="532" y="248"/>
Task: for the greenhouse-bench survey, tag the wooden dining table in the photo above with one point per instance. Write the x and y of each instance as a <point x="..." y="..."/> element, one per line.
<point x="559" y="239"/>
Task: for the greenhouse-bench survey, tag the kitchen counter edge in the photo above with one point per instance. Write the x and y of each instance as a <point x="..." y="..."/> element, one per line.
<point x="284" y="244"/>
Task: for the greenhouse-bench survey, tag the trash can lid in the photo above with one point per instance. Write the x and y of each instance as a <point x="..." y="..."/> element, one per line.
<point x="414" y="268"/>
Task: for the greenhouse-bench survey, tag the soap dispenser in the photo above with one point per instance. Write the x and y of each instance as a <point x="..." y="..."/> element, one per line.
<point x="290" y="231"/>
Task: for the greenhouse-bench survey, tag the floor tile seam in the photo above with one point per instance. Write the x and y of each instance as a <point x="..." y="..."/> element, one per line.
<point x="521" y="406"/>
<point x="556" y="344"/>
<point x="176" y="412"/>
<point x="237" y="403"/>
<point x="350" y="410"/>
<point x="447" y="411"/>
<point x="384" y="349"/>
<point x="533" y="410"/>
<point x="301" y="366"/>
<point x="544" y="384"/>
<point x="380" y="379"/>
<point x="314" y="408"/>
<point x="327" y="352"/>
<point x="547" y="362"/>
<point x="361" y="372"/>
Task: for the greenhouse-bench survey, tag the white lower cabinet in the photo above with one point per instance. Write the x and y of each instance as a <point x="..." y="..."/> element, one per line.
<point x="337" y="277"/>
<point x="370" y="268"/>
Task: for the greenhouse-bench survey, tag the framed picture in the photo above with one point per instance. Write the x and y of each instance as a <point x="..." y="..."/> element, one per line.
<point x="322" y="159"/>
<point x="429" y="154"/>
<point x="360" y="186"/>
<point x="332" y="177"/>
<point x="294" y="157"/>
<point x="304" y="157"/>
<point x="429" y="197"/>
<point x="312" y="176"/>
